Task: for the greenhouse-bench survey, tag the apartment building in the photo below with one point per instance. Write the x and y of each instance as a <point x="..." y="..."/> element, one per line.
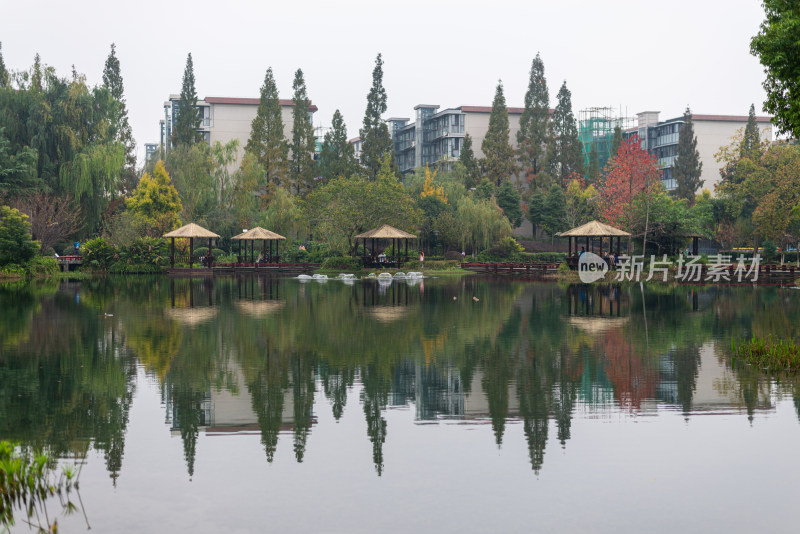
<point x="435" y="136"/>
<point x="713" y="132"/>
<point x="224" y="119"/>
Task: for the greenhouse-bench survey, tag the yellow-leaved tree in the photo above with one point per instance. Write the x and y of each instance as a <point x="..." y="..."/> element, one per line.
<point x="155" y="204"/>
<point x="432" y="190"/>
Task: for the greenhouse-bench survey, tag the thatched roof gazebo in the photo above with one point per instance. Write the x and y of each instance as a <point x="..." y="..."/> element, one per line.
<point x="592" y="230"/>
<point x="259" y="234"/>
<point x="386" y="232"/>
<point x="191" y="232"/>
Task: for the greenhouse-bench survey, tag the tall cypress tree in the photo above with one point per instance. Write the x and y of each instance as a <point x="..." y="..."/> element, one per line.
<point x="566" y="150"/>
<point x="302" y="169"/>
<point x="533" y="125"/>
<point x="467" y="159"/>
<point x="122" y="133"/>
<point x="688" y="166"/>
<point x="496" y="146"/>
<point x="267" y="142"/>
<point x="593" y="172"/>
<point x="616" y="141"/>
<point x="376" y="140"/>
<point x="188" y="120"/>
<point x="751" y="142"/>
<point x="3" y="72"/>
<point x="337" y="158"/>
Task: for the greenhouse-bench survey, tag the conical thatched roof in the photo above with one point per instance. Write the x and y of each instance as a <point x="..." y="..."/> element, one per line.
<point x="192" y="230"/>
<point x="594" y="229"/>
<point x="258" y="234"/>
<point x="386" y="232"/>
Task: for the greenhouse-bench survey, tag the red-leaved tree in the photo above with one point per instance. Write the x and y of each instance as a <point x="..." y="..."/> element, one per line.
<point x="631" y="173"/>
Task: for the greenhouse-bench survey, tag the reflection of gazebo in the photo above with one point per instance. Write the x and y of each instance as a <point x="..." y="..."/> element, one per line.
<point x="386" y="232"/>
<point x="259" y="234"/>
<point x="190" y="231"/>
<point x="191" y="316"/>
<point x="591" y="231"/>
<point x="259" y="308"/>
<point x="596" y="326"/>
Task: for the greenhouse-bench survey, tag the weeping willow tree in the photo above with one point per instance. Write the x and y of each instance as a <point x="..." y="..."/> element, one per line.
<point x="482" y="223"/>
<point x="91" y="177"/>
<point x="66" y="126"/>
<point x="283" y="215"/>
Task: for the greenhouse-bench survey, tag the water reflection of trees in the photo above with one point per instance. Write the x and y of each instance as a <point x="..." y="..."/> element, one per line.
<point x="66" y="382"/>
<point x="484" y="351"/>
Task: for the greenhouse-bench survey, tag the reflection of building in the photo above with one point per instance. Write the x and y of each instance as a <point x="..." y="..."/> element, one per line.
<point x="229" y="409"/>
<point x="716" y="386"/>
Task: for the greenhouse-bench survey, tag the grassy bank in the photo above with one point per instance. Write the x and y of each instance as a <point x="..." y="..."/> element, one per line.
<point x="768" y="353"/>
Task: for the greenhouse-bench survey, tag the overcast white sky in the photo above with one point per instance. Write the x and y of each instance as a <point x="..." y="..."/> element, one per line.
<point x="637" y="55"/>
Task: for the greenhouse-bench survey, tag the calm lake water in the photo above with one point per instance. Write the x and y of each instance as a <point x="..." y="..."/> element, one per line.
<point x="442" y="405"/>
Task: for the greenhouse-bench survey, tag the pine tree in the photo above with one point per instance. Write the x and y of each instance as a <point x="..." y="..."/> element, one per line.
<point x="122" y="133"/>
<point x="467" y="159"/>
<point x="302" y="168"/>
<point x="337" y="158"/>
<point x="267" y="142"/>
<point x="751" y="142"/>
<point x="188" y="119"/>
<point x="509" y="201"/>
<point x="376" y="141"/>
<point x="555" y="211"/>
<point x="533" y="125"/>
<point x="36" y="74"/>
<point x="496" y="147"/>
<point x="536" y="210"/>
<point x="688" y="167"/>
<point x="566" y="151"/>
<point x="3" y="71"/>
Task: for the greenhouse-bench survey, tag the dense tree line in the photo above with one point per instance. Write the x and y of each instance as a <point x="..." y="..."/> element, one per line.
<point x="69" y="147"/>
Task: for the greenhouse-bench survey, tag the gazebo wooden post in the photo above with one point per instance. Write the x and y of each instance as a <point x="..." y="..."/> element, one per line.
<point x="209" y="251"/>
<point x="406" y="254"/>
<point x="695" y="245"/>
<point x="191" y="251"/>
<point x="618" y="239"/>
<point x="172" y="254"/>
<point x="264" y="250"/>
<point x="587" y="244"/>
<point x="601" y="246"/>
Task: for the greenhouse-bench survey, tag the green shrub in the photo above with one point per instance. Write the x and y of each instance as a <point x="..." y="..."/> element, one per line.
<point x="99" y="254"/>
<point x="342" y="263"/>
<point x="563" y="268"/>
<point x="146" y="251"/>
<point x="16" y="244"/>
<point x="121" y="267"/>
<point x="543" y="257"/>
<point x="42" y="266"/>
<point x="12" y="269"/>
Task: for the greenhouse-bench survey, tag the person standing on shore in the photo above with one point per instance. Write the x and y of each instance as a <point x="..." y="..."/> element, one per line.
<point x="421" y="260"/>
